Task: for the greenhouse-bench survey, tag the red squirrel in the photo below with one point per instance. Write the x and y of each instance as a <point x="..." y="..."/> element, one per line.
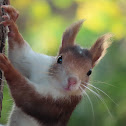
<point x="46" y="89"/>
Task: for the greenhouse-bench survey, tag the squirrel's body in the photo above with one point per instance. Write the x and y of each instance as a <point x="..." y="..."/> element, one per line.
<point x="35" y="67"/>
<point x="47" y="89"/>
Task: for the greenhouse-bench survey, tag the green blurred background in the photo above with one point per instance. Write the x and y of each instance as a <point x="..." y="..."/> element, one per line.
<point x="42" y="23"/>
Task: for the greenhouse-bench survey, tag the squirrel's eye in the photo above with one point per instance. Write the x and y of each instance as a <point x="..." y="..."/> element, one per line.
<point x="59" y="60"/>
<point x="89" y="72"/>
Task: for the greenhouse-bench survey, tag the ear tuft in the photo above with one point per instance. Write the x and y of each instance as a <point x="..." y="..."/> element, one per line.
<point x="70" y="34"/>
<point x="98" y="50"/>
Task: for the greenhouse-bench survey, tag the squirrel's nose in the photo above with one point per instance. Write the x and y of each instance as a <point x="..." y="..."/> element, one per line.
<point x="72" y="80"/>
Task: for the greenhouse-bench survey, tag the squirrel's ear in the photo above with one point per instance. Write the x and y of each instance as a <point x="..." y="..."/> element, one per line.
<point x="69" y="35"/>
<point x="99" y="48"/>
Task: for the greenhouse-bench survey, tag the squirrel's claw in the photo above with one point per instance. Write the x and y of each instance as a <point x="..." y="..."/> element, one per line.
<point x="12" y="12"/>
<point x="6" y="17"/>
<point x="7" y="21"/>
<point x="4" y="62"/>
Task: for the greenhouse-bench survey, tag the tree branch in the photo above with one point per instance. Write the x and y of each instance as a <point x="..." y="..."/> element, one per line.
<point x="3" y="35"/>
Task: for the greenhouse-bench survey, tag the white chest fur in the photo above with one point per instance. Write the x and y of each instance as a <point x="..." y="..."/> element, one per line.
<point x="35" y="67"/>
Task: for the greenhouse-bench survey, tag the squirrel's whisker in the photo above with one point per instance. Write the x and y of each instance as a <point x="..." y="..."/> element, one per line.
<point x="102" y="92"/>
<point x="102" y="100"/>
<point x="83" y="91"/>
<point x="100" y="82"/>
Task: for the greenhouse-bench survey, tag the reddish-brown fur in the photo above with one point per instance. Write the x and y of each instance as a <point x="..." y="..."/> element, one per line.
<point x="70" y="34"/>
<point x="98" y="50"/>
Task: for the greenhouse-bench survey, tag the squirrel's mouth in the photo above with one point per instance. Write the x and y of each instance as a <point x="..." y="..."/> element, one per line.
<point x="72" y="84"/>
<point x="76" y="87"/>
<point x="70" y="87"/>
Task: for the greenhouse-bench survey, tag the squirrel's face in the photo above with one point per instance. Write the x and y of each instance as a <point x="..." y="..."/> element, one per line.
<point x="72" y="69"/>
<point x="73" y="66"/>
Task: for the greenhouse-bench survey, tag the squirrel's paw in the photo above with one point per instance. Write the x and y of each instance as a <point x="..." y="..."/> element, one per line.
<point x="12" y="12"/>
<point x="5" y="64"/>
<point x="7" y="21"/>
<point x="9" y="71"/>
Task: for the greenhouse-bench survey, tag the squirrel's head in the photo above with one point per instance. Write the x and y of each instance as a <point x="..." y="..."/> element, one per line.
<point x="73" y="66"/>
